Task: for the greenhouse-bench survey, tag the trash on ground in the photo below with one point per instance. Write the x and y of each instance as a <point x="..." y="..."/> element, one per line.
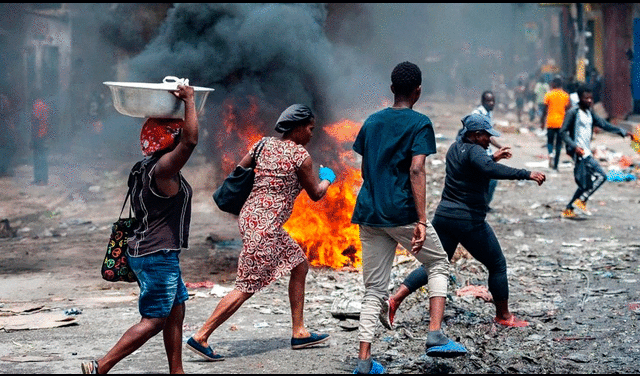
<point x="219" y="291"/>
<point x="72" y="311"/>
<point x="39" y="320"/>
<point x="345" y="308"/>
<point x="30" y="358"/>
<point x="198" y="285"/>
<point x="478" y="291"/>
<point x="18" y="308"/>
<point x="620" y="176"/>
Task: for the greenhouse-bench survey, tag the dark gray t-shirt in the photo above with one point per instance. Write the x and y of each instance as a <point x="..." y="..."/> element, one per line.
<point x="163" y="222"/>
<point x="387" y="141"/>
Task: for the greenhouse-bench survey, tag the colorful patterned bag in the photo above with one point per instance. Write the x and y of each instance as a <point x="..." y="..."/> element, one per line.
<point x="115" y="266"/>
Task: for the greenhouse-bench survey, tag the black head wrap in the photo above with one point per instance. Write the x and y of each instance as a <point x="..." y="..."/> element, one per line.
<point x="293" y="116"/>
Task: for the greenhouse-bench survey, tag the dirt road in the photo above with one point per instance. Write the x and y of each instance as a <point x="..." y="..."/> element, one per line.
<point x="575" y="281"/>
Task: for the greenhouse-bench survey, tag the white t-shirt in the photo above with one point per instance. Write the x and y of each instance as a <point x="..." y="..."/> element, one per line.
<point x="573" y="97"/>
<point x="483" y="111"/>
<point x="584" y="123"/>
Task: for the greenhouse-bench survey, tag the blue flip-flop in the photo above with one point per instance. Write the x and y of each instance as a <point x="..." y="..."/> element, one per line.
<point x="376" y="369"/>
<point x="313" y="339"/>
<point x="205" y="352"/>
<point x="450" y="349"/>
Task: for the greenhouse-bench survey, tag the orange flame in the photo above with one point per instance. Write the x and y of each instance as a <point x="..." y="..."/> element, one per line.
<point x="238" y="133"/>
<point x="324" y="228"/>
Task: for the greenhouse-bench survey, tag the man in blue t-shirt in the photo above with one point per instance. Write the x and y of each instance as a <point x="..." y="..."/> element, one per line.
<point x="391" y="210"/>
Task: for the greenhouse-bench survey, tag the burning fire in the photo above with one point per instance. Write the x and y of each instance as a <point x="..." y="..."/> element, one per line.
<point x="239" y="132"/>
<point x="323" y="228"/>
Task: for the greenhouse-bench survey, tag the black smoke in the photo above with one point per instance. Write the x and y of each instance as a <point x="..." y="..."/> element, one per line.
<point x="336" y="58"/>
<point x="275" y="54"/>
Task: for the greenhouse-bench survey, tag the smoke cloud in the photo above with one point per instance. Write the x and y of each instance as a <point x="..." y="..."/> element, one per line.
<point x="336" y="58"/>
<point x="275" y="54"/>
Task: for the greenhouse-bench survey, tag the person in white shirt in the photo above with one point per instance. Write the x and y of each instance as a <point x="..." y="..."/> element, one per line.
<point x="577" y="131"/>
<point x="573" y="97"/>
<point x="488" y="102"/>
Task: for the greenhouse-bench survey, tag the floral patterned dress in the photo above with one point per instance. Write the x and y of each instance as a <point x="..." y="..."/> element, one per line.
<point x="268" y="251"/>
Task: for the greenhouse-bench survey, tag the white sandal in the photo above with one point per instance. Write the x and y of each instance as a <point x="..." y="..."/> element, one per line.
<point x="90" y="368"/>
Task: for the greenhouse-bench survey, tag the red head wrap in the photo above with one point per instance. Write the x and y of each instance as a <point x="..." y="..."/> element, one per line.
<point x="159" y="134"/>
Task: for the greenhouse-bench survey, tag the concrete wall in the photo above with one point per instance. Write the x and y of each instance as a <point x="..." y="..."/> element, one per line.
<point x="618" y="39"/>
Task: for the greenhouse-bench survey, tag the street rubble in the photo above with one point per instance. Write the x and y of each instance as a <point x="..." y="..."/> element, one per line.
<point x="575" y="281"/>
<point x="578" y="292"/>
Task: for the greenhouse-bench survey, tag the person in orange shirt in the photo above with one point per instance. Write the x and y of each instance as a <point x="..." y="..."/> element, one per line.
<point x="556" y="104"/>
<point x="39" y="137"/>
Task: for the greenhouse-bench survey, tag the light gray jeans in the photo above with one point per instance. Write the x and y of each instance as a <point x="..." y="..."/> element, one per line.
<point x="378" y="251"/>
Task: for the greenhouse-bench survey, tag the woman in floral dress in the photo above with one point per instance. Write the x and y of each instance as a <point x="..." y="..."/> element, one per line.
<point x="283" y="169"/>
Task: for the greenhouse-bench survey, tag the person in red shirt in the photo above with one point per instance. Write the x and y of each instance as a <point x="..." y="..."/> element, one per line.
<point x="39" y="136"/>
<point x="556" y="104"/>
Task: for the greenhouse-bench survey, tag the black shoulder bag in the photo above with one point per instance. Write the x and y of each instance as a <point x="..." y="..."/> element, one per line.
<point x="235" y="189"/>
<point x="115" y="266"/>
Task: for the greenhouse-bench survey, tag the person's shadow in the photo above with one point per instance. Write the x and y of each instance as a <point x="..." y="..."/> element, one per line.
<point x="246" y="347"/>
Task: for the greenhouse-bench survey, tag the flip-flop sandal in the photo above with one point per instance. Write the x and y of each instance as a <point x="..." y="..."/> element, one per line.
<point x="313" y="339"/>
<point x="512" y="322"/>
<point x="90" y="368"/>
<point x="450" y="349"/>
<point x="205" y="352"/>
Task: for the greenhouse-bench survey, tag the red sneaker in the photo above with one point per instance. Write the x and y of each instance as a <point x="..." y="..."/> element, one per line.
<point x="388" y="312"/>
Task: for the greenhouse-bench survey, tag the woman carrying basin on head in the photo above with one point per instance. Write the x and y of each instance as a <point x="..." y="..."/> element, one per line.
<point x="161" y="200"/>
<point x="283" y="169"/>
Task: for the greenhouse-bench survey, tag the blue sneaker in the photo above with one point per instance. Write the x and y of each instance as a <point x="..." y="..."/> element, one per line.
<point x="313" y="339"/>
<point x="205" y="352"/>
<point x="450" y="349"/>
<point x="376" y="369"/>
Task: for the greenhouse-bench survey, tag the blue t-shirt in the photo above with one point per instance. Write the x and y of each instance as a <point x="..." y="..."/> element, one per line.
<point x="387" y="141"/>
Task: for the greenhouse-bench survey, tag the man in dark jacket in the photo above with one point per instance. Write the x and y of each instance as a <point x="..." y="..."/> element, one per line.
<point x="460" y="215"/>
<point x="577" y="131"/>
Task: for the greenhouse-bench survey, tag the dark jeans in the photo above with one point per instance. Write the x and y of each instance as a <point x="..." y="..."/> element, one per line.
<point x="7" y="152"/>
<point x="40" y="164"/>
<point x="478" y="238"/>
<point x="492" y="189"/>
<point x="553" y="138"/>
<point x="600" y="177"/>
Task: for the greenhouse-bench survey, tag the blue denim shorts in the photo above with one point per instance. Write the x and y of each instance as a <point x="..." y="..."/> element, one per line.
<point x="160" y="281"/>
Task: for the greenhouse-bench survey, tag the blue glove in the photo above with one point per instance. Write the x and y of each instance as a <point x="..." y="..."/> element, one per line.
<point x="326" y="173"/>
